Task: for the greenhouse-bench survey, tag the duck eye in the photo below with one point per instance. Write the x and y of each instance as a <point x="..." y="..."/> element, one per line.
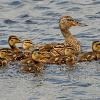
<point x="2" y="53"/>
<point x="11" y="40"/>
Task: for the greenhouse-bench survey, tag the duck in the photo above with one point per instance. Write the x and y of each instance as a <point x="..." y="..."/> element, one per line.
<point x="26" y="52"/>
<point x="91" y="55"/>
<point x="12" y="41"/>
<point x="33" y="64"/>
<point x="3" y="57"/>
<point x="96" y="46"/>
<point x="96" y="49"/>
<point x="87" y="56"/>
<point x="27" y="45"/>
<point x="69" y="58"/>
<point x="65" y="23"/>
<point x="57" y="49"/>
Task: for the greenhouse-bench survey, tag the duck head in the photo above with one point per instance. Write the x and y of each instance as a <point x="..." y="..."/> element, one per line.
<point x="27" y="44"/>
<point x="12" y="40"/>
<point x="3" y="53"/>
<point x="67" y="22"/>
<point x="96" y="46"/>
<point x="35" y="54"/>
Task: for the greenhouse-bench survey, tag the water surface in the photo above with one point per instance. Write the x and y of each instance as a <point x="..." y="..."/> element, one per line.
<point x="38" y="20"/>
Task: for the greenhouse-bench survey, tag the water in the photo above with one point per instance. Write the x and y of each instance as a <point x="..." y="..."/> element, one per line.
<point x="38" y="20"/>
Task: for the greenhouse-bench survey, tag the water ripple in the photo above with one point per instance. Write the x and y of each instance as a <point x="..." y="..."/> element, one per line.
<point x="8" y="21"/>
<point x="38" y="20"/>
<point x="15" y="3"/>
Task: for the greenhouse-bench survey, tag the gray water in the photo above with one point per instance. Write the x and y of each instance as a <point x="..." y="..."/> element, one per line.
<point x="38" y="20"/>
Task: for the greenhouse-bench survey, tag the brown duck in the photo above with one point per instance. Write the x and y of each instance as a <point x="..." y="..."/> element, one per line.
<point x="25" y="50"/>
<point x="92" y="55"/>
<point x="54" y="50"/>
<point x="33" y="64"/>
<point x="12" y="41"/>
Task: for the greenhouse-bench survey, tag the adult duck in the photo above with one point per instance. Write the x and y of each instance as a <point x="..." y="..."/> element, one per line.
<point x="57" y="49"/>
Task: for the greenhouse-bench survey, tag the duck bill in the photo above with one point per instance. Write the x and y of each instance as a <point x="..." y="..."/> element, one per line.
<point x="76" y="23"/>
<point x="82" y="24"/>
<point x="19" y="41"/>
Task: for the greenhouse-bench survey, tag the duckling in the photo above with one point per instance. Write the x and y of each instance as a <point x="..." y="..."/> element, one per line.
<point x="61" y="54"/>
<point x="96" y="49"/>
<point x="12" y="41"/>
<point x="69" y="57"/>
<point x="27" y="44"/>
<point x="34" y="63"/>
<point x="87" y="56"/>
<point x="92" y="55"/>
<point x="3" y="55"/>
<point x="96" y="46"/>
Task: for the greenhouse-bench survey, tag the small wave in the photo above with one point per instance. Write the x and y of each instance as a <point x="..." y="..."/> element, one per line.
<point x="15" y="3"/>
<point x="63" y="2"/>
<point x="53" y="14"/>
<point x="30" y="22"/>
<point x="8" y="21"/>
<point x="92" y="17"/>
<point x="74" y="9"/>
<point x="24" y="16"/>
<point x="41" y="8"/>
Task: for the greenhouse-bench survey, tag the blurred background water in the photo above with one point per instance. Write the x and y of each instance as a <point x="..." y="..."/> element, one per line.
<point x="38" y="20"/>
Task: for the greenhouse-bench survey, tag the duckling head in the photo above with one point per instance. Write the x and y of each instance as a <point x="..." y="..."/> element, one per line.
<point x="67" y="22"/>
<point x="36" y="55"/>
<point x="96" y="46"/>
<point x="3" y="53"/>
<point x="27" y="44"/>
<point x="12" y="40"/>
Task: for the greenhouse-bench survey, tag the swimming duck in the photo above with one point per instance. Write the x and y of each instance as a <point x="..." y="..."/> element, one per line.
<point x="27" y="44"/>
<point x="65" y="23"/>
<point x="26" y="52"/>
<point x="92" y="55"/>
<point x="60" y="54"/>
<point x="96" y="49"/>
<point x="96" y="46"/>
<point x="69" y="58"/>
<point x="56" y="49"/>
<point x="87" y="56"/>
<point x="12" y="41"/>
<point x="3" y="59"/>
<point x="33" y="64"/>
